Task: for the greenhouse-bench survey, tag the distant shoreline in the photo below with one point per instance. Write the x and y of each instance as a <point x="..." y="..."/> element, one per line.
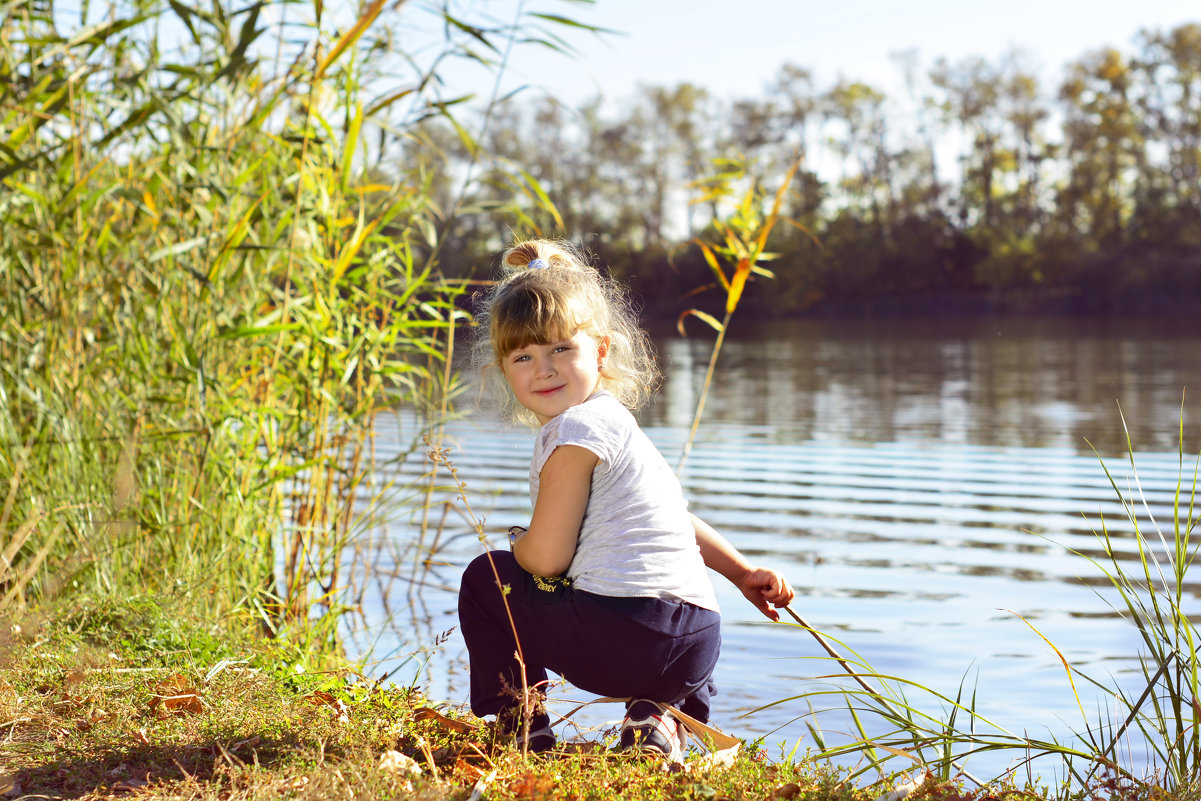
<point x="1066" y="304"/>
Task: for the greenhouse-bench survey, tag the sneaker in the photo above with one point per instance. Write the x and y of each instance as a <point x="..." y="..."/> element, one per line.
<point x="541" y="737"/>
<point x="650" y="728"/>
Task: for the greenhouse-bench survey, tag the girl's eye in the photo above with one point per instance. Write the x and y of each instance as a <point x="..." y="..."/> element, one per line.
<point x="520" y="358"/>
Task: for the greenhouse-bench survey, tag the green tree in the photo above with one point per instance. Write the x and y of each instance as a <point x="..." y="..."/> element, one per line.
<point x="1104" y="148"/>
<point x="922" y="192"/>
<point x="1024" y="109"/>
<point x="970" y="94"/>
<point x="859" y="138"/>
<point x="1168" y="69"/>
<point x="670" y="124"/>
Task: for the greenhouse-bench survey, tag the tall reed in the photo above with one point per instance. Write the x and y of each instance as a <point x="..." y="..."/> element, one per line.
<point x="1163" y="714"/>
<point x="212" y="280"/>
<point x="1166" y="712"/>
<point x="738" y="243"/>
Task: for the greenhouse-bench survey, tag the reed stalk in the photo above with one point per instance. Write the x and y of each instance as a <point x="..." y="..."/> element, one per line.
<point x="739" y="243"/>
<point x="1163" y="713"/>
<point x="1166" y="713"/>
<point x="212" y="281"/>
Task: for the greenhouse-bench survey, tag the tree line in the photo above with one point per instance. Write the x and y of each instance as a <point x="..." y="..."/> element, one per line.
<point x="980" y="187"/>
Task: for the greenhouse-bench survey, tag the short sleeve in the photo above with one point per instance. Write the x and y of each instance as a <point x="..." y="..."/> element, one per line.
<point x="578" y="426"/>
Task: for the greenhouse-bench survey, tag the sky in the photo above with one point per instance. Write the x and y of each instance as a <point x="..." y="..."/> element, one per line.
<point x="733" y="48"/>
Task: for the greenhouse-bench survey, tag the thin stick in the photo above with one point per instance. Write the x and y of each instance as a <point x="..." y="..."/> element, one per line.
<point x="824" y="643"/>
<point x="700" y="404"/>
<point x="861" y="681"/>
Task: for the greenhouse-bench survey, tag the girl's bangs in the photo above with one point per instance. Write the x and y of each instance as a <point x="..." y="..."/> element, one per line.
<point x="529" y="317"/>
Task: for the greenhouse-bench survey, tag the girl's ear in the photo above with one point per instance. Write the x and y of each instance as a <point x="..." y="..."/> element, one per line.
<point x="602" y="350"/>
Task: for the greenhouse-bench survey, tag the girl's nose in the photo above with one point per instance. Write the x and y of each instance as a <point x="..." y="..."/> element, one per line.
<point x="545" y="367"/>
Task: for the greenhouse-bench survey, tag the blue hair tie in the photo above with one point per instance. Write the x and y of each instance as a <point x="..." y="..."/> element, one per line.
<point x="537" y="264"/>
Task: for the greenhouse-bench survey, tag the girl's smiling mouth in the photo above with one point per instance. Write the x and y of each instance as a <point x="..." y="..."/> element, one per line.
<point x="550" y="391"/>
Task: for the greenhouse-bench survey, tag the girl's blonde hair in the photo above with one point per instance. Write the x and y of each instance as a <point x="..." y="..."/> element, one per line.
<point x="550" y="302"/>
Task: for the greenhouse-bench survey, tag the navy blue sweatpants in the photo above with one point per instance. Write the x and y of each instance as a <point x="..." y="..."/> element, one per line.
<point x="649" y="648"/>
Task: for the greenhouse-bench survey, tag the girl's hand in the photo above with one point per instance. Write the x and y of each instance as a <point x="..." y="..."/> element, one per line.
<point x="765" y="588"/>
<point x="762" y="586"/>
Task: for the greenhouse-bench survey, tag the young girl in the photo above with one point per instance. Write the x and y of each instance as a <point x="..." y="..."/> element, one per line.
<point x="608" y="586"/>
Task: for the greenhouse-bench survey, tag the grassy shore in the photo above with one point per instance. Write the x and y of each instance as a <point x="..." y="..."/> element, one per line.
<point x="141" y="699"/>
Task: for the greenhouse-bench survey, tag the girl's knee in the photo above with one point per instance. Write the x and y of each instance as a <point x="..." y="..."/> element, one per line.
<point x="480" y="577"/>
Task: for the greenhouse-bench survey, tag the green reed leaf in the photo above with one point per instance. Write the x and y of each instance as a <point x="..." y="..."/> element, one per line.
<point x="558" y="19"/>
<point x="177" y="249"/>
<point x="350" y="144"/>
<point x="347" y="40"/>
<point x="709" y="319"/>
<point x="258" y="331"/>
<point x="543" y="199"/>
<point x="477" y="33"/>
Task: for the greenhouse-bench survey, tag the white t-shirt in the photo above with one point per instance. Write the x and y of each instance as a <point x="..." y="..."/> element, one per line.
<point x="637" y="538"/>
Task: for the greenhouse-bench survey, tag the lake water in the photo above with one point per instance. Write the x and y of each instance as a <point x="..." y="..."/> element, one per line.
<point x="923" y="485"/>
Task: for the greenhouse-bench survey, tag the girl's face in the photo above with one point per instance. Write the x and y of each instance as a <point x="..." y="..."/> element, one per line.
<point x="549" y="379"/>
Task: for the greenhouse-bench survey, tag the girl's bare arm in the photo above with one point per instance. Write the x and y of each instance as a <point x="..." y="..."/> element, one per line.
<point x="762" y="586"/>
<point x="565" y="482"/>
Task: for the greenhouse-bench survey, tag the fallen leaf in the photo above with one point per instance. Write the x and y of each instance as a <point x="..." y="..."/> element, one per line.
<point x="901" y="791"/>
<point x="322" y="698"/>
<point x="141" y="737"/>
<point x="68" y="703"/>
<point x="176" y="695"/>
<point x="481" y="786"/>
<point x="449" y="752"/>
<point x="466" y="770"/>
<point x="9" y="786"/>
<point x="784" y="791"/>
<point x="425" y="713"/>
<point x="399" y="763"/>
<point x="249" y="742"/>
<point x="724" y="758"/>
<point x="532" y="787"/>
<point x="128" y="786"/>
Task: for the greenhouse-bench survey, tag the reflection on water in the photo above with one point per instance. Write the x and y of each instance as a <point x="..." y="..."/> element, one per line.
<point x="1031" y="383"/>
<point x="927" y="488"/>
